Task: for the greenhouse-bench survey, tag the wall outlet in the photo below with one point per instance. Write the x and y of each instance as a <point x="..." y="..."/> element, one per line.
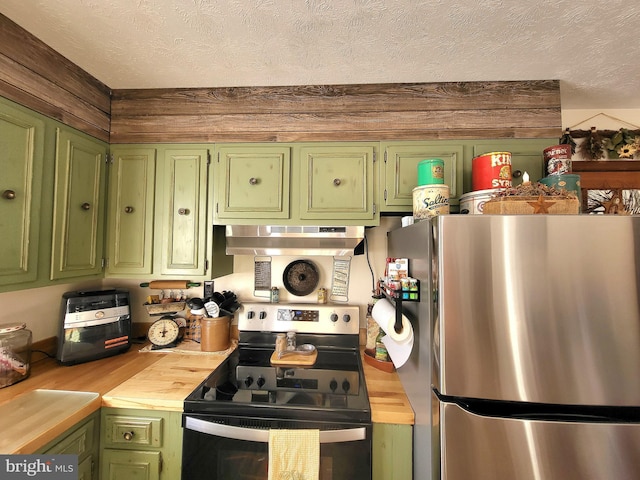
<point x="208" y="289"/>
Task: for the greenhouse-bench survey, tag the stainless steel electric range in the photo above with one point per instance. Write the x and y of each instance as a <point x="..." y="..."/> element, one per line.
<point x="227" y="418"/>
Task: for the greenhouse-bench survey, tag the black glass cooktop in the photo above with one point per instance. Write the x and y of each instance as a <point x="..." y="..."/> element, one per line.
<point x="247" y="384"/>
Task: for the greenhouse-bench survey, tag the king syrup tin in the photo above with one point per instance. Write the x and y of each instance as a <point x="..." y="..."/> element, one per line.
<point x="491" y="170"/>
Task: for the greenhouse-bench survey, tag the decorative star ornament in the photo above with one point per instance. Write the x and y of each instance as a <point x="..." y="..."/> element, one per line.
<point x="540" y="205"/>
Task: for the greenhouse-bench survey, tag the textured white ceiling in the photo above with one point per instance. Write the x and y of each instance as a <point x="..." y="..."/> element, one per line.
<point x="591" y="46"/>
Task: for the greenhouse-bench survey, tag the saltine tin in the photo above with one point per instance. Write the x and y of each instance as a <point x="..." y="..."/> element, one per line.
<point x="430" y="200"/>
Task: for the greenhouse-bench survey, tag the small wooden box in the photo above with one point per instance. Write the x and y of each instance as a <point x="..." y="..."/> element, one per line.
<point x="532" y="206"/>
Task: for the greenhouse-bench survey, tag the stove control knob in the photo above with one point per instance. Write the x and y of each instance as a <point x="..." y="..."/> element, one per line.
<point x="250" y="314"/>
<point x="334" y="317"/>
<point x="248" y="381"/>
<point x="263" y="315"/>
<point x="333" y="385"/>
<point x="260" y="382"/>
<point x="346" y="386"/>
<point x="346" y="317"/>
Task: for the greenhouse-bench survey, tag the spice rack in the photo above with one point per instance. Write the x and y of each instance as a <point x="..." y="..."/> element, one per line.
<point x="397" y="296"/>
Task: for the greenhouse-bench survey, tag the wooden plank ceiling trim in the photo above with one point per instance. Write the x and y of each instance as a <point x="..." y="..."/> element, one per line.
<point x="356" y="112"/>
<point x="36" y="76"/>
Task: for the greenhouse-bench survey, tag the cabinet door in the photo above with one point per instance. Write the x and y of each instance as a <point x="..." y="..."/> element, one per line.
<point x="131" y="201"/>
<point x="253" y="182"/>
<point x="183" y="211"/>
<point x="78" y="208"/>
<point x="526" y="156"/>
<point x="337" y="182"/>
<point x="401" y="171"/>
<point x="129" y="465"/>
<point x="21" y="163"/>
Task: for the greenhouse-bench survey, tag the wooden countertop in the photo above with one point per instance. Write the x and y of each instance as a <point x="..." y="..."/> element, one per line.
<point x="34" y="419"/>
<point x="389" y="403"/>
<point x="162" y="381"/>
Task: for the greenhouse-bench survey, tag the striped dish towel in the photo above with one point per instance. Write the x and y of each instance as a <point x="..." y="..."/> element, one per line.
<point x="294" y="454"/>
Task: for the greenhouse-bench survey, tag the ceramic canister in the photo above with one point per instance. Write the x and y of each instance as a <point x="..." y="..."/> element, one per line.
<point x="557" y="159"/>
<point x="491" y="170"/>
<point x="473" y="202"/>
<point x="430" y="171"/>
<point x="430" y="200"/>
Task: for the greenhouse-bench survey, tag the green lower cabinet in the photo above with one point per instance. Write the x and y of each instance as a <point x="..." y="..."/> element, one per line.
<point x="81" y="440"/>
<point x="140" y="444"/>
<point x="392" y="452"/>
<point x="124" y="464"/>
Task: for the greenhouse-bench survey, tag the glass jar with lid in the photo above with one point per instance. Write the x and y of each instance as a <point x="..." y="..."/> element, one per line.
<point x="15" y="353"/>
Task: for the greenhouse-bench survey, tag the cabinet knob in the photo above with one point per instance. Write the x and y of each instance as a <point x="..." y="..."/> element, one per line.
<point x="9" y="194"/>
<point x="85" y="206"/>
<point x="516" y="174"/>
<point x="253" y="181"/>
<point x="128" y="209"/>
<point x="336" y="182"/>
<point x="183" y="211"/>
<point x="128" y="436"/>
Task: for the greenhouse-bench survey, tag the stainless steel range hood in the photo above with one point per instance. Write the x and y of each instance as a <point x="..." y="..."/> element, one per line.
<point x="292" y="240"/>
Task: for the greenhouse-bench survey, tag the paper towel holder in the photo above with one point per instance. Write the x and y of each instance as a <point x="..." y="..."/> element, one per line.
<point x="397" y="296"/>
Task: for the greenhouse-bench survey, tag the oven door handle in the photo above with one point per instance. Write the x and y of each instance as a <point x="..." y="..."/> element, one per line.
<point x="257" y="435"/>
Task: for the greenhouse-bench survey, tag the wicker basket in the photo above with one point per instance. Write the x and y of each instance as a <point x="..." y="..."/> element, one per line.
<point x="531" y="206"/>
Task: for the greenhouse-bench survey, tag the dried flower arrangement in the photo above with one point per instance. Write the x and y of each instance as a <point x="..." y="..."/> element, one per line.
<point x="622" y="143"/>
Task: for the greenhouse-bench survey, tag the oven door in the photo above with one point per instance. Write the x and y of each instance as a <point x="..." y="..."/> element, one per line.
<point x="233" y="448"/>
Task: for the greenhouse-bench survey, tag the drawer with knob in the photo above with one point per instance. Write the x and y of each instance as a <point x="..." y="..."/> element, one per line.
<point x="121" y="430"/>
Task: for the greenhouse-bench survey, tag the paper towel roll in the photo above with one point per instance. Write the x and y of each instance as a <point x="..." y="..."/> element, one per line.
<point x="399" y="344"/>
<point x="384" y="313"/>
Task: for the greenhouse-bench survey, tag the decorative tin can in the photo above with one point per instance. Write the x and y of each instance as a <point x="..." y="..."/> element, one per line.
<point x="430" y="200"/>
<point x="568" y="181"/>
<point x="274" y="296"/>
<point x="473" y="202"/>
<point x="322" y="295"/>
<point x="557" y="159"/>
<point x="491" y="170"/>
<point x="431" y="171"/>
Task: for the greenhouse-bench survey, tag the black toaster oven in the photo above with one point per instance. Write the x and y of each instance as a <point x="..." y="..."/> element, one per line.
<point x="93" y="325"/>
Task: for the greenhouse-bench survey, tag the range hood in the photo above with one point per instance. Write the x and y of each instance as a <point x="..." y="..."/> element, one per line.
<point x="292" y="240"/>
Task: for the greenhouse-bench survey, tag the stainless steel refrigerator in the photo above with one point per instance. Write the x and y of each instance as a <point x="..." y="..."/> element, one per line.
<point x="526" y="363"/>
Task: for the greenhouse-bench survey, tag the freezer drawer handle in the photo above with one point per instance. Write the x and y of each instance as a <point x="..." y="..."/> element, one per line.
<point x="256" y="435"/>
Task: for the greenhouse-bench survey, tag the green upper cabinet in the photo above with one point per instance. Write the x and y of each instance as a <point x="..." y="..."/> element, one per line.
<point x="79" y="206"/>
<point x="337" y="182"/>
<point x="159" y="221"/>
<point x="253" y="181"/>
<point x="181" y="207"/>
<point x="131" y="211"/>
<point x="400" y="171"/>
<point x="21" y="164"/>
<point x="526" y="156"/>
